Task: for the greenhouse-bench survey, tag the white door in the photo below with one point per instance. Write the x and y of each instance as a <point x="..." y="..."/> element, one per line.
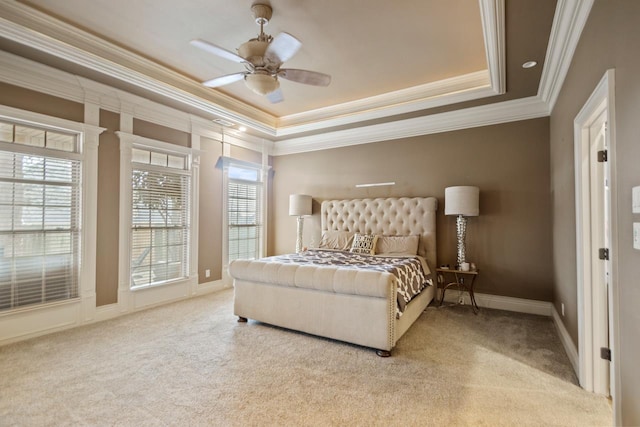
<point x="597" y="227"/>
<point x="600" y="248"/>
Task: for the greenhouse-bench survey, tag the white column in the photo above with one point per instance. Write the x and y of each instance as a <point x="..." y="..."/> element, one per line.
<point x="91" y="139"/>
<point x="195" y="213"/>
<point x="265" y="198"/>
<point x="124" y="245"/>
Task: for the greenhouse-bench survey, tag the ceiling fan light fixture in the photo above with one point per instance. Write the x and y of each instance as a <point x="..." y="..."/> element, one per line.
<point x="261" y="83"/>
<point x="253" y="51"/>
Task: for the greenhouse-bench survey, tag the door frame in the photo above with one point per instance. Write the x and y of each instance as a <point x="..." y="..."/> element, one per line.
<point x="602" y="99"/>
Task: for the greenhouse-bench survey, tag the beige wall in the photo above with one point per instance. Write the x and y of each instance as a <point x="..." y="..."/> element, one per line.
<point x="108" y="210"/>
<point x="210" y="214"/>
<point x="510" y="240"/>
<point x="161" y="133"/>
<point x="609" y="40"/>
<point x="30" y="100"/>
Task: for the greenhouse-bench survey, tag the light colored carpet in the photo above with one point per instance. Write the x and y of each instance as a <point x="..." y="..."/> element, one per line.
<point x="190" y="363"/>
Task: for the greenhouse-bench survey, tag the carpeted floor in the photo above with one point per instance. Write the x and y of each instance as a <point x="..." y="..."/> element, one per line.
<point x="190" y="363"/>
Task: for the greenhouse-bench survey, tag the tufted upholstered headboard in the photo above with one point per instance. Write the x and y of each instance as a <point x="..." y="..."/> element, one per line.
<point x="399" y="216"/>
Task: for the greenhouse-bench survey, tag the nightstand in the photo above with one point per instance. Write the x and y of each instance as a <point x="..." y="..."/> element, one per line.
<point x="463" y="280"/>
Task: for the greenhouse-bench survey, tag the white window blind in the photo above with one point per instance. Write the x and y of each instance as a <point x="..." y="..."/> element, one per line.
<point x="244" y="192"/>
<point x="39" y="216"/>
<point x="160" y="218"/>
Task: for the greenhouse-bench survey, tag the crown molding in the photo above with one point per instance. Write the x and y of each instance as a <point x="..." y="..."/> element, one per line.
<point x="502" y="112"/>
<point x="22" y="72"/>
<point x="444" y="92"/>
<point x="492" y="13"/>
<point x="40" y="31"/>
<point x="568" y="23"/>
<point x="18" y="71"/>
<point x="207" y="129"/>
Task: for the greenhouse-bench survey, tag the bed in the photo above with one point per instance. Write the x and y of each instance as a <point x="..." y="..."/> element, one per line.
<point x="342" y="302"/>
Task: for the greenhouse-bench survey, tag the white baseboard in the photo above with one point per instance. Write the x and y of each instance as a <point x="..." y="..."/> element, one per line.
<point x="111" y="311"/>
<point x="28" y="322"/>
<point x="209" y="287"/>
<point x="567" y="342"/>
<point x="106" y="312"/>
<point x="498" y="302"/>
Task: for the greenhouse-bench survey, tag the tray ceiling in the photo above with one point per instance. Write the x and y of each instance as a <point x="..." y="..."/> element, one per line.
<point x="387" y="59"/>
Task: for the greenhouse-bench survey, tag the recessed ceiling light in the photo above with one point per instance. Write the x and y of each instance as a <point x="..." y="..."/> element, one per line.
<point x="529" y="64"/>
<point x="242" y="129"/>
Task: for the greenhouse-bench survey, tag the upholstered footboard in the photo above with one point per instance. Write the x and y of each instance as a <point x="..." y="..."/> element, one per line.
<point x="364" y="320"/>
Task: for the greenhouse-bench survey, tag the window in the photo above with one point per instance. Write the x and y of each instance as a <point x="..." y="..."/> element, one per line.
<point x="160" y="211"/>
<point x="244" y="210"/>
<point x="40" y="172"/>
<point x="244" y="195"/>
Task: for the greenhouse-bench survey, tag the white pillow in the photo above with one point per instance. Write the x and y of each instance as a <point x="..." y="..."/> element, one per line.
<point x="340" y="240"/>
<point x="364" y="244"/>
<point x="398" y="245"/>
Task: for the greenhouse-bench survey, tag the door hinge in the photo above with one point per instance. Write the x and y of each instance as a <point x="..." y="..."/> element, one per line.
<point x="602" y="156"/>
<point x="605" y="353"/>
<point x="603" y="253"/>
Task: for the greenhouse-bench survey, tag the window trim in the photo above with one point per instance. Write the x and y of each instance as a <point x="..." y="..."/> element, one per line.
<point x="143" y="296"/>
<point x="187" y="219"/>
<point x="225" y="162"/>
<point x="87" y="152"/>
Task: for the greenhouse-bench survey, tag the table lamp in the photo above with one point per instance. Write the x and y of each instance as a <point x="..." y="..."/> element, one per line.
<point x="462" y="201"/>
<point x="300" y="206"/>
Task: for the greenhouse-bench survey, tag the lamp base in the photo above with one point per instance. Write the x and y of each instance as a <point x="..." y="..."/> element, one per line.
<point x="461" y="231"/>
<point x="299" y="235"/>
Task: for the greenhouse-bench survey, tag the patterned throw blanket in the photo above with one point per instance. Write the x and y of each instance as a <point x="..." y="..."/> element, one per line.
<point x="409" y="272"/>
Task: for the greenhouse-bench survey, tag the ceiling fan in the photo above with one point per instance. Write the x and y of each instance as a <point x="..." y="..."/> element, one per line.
<point x="263" y="56"/>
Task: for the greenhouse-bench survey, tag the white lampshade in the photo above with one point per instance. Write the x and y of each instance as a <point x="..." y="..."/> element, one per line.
<point x="462" y="200"/>
<point x="299" y="205"/>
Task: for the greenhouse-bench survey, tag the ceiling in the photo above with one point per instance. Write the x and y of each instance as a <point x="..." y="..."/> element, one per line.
<point x="388" y="60"/>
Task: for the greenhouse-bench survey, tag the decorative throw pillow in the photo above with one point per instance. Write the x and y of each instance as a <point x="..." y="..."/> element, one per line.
<point x="364" y="244"/>
<point x="398" y="245"/>
<point x="340" y="240"/>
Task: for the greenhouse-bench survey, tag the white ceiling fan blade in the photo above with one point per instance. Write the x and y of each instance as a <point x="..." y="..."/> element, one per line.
<point x="305" y="76"/>
<point x="217" y="50"/>
<point x="275" y="96"/>
<point x="282" y="48"/>
<point x="224" y="80"/>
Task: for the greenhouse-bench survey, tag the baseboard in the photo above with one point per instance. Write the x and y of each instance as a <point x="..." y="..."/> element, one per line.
<point x="499" y="302"/>
<point x="565" y="338"/>
<point x="106" y="312"/>
<point x="111" y="311"/>
<point x="209" y="287"/>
